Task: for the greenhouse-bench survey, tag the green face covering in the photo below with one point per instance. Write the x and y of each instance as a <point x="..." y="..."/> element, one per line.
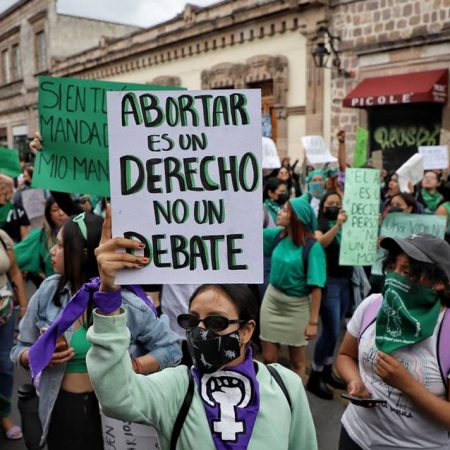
<point x="408" y="315"/>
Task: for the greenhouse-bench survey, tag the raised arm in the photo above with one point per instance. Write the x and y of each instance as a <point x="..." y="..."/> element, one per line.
<point x="342" y="156"/>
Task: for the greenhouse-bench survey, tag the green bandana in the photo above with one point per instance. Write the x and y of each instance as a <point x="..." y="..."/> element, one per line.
<point x="408" y="314"/>
<point x="4" y="211"/>
<point x="431" y="200"/>
<point x="273" y="209"/>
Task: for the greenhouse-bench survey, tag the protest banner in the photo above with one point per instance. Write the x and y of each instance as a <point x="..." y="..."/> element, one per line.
<point x="73" y="125"/>
<point x="185" y="171"/>
<point x="270" y="158"/>
<point x="410" y="172"/>
<point x="360" y="231"/>
<point x="401" y="225"/>
<point x="360" y="154"/>
<point x="316" y="150"/>
<point x="434" y="156"/>
<point x="33" y="201"/>
<point x="377" y="159"/>
<point x="9" y="162"/>
<point x="118" y="434"/>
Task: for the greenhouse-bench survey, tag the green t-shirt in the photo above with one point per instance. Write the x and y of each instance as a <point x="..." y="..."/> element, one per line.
<point x="287" y="272"/>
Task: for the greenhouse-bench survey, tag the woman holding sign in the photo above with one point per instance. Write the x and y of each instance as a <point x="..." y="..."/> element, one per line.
<point x="227" y="400"/>
<point x="52" y="340"/>
<point x="394" y="357"/>
<point x="290" y="308"/>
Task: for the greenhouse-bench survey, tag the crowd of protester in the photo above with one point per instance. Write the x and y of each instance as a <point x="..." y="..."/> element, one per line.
<point x="176" y="359"/>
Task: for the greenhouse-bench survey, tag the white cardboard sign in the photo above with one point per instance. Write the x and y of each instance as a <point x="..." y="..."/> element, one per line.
<point x="411" y="171"/>
<point x="270" y="158"/>
<point x="185" y="174"/>
<point x="316" y="150"/>
<point x="434" y="156"/>
<point x="33" y="201"/>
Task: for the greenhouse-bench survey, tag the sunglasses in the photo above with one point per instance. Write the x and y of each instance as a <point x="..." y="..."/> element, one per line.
<point x="214" y="323"/>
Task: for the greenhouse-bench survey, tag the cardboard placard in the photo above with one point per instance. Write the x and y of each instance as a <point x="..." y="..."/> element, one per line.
<point x="360" y="155"/>
<point x="434" y="156"/>
<point x="186" y="180"/>
<point x="316" y="150"/>
<point x="270" y="158"/>
<point x="410" y="172"/>
<point x="362" y="204"/>
<point x="33" y="201"/>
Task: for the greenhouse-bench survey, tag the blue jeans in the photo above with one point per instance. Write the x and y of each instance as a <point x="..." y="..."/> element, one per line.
<point x="335" y="299"/>
<point x="6" y="366"/>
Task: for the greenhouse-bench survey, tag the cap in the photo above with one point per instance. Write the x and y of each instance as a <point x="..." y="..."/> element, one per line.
<point x="423" y="247"/>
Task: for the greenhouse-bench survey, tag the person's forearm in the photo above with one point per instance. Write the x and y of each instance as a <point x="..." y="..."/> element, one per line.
<point x="316" y="297"/>
<point x="342" y="156"/>
<point x="327" y="238"/>
<point x="347" y="368"/>
<point x="436" y="408"/>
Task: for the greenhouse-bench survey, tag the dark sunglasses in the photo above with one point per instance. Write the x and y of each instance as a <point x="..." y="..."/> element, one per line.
<point x="214" y="323"/>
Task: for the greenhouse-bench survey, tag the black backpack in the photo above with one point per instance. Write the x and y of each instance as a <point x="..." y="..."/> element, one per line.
<point x="190" y="393"/>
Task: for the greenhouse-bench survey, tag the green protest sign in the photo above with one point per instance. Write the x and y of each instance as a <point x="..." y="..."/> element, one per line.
<point x="73" y="125"/>
<point x="360" y="155"/>
<point x="186" y="182"/>
<point x="9" y="162"/>
<point x="362" y="204"/>
<point x="401" y="225"/>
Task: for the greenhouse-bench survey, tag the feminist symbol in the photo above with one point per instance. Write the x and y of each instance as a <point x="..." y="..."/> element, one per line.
<point x="229" y="390"/>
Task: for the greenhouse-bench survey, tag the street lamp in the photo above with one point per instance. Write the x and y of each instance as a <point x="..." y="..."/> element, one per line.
<point x="321" y="53"/>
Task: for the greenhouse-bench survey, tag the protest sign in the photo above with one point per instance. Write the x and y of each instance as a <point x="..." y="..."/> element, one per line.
<point x="270" y="158"/>
<point x="360" y="155"/>
<point x="434" y="156"/>
<point x="73" y="125"/>
<point x="33" y="201"/>
<point x="118" y="434"/>
<point x="410" y="172"/>
<point x="362" y="204"/>
<point x="316" y="150"/>
<point x="185" y="172"/>
<point x="9" y="162"/>
<point x="377" y="159"/>
<point x="401" y="225"/>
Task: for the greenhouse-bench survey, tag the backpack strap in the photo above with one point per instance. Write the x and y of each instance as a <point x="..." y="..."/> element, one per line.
<point x="442" y="347"/>
<point x="280" y="382"/>
<point x="179" y="422"/>
<point x="370" y="314"/>
<point x="305" y="254"/>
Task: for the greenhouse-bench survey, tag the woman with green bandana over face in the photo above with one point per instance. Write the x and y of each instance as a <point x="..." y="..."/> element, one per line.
<point x="316" y="185"/>
<point x="394" y="350"/>
<point x="290" y="308"/>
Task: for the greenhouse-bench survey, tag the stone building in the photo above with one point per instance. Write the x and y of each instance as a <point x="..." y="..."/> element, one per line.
<point x="400" y="53"/>
<point x="262" y="44"/>
<point x="33" y="36"/>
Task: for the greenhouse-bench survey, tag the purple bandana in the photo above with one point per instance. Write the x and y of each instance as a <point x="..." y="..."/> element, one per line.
<point x="231" y="401"/>
<point x="42" y="350"/>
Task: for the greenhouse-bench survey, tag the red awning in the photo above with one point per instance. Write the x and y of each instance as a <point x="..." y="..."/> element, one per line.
<point x="417" y="87"/>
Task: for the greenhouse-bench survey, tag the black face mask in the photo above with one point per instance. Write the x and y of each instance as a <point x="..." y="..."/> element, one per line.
<point x="282" y="199"/>
<point x="210" y="351"/>
<point x="331" y="212"/>
<point x="394" y="209"/>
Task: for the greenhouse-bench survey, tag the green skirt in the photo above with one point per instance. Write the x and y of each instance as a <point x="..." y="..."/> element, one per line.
<point x="284" y="318"/>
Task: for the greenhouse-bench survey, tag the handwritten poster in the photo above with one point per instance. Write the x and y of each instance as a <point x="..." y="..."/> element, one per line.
<point x="186" y="181"/>
<point x="360" y="231"/>
<point x="74" y="129"/>
<point x="434" y="156"/>
<point x="317" y="150"/>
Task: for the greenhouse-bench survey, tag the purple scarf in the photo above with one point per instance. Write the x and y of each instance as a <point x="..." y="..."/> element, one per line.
<point x="231" y="400"/>
<point x="42" y="350"/>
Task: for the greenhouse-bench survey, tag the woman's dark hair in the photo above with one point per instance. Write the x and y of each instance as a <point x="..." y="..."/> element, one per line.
<point x="297" y="230"/>
<point x="47" y="212"/>
<point x="322" y="220"/>
<point x="408" y="199"/>
<point x="271" y="185"/>
<point x="418" y="271"/>
<point x="239" y="294"/>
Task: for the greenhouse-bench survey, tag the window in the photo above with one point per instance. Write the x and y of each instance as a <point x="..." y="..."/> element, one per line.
<point x="6" y="70"/>
<point x="41" y="51"/>
<point x="16" y="67"/>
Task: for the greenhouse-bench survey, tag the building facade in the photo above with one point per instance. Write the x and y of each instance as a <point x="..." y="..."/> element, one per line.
<point x="33" y="36"/>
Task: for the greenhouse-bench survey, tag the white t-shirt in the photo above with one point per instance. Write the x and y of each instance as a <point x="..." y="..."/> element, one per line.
<point x="400" y="424"/>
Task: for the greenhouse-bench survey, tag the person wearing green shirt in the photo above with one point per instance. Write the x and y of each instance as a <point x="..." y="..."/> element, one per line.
<point x="236" y="401"/>
<point x="429" y="193"/>
<point x="290" y="308"/>
<point x="275" y="196"/>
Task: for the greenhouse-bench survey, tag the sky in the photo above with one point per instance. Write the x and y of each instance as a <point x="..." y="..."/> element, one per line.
<point x="142" y="13"/>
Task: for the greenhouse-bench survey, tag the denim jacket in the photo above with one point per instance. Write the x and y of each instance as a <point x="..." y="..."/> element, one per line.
<point x="149" y="335"/>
